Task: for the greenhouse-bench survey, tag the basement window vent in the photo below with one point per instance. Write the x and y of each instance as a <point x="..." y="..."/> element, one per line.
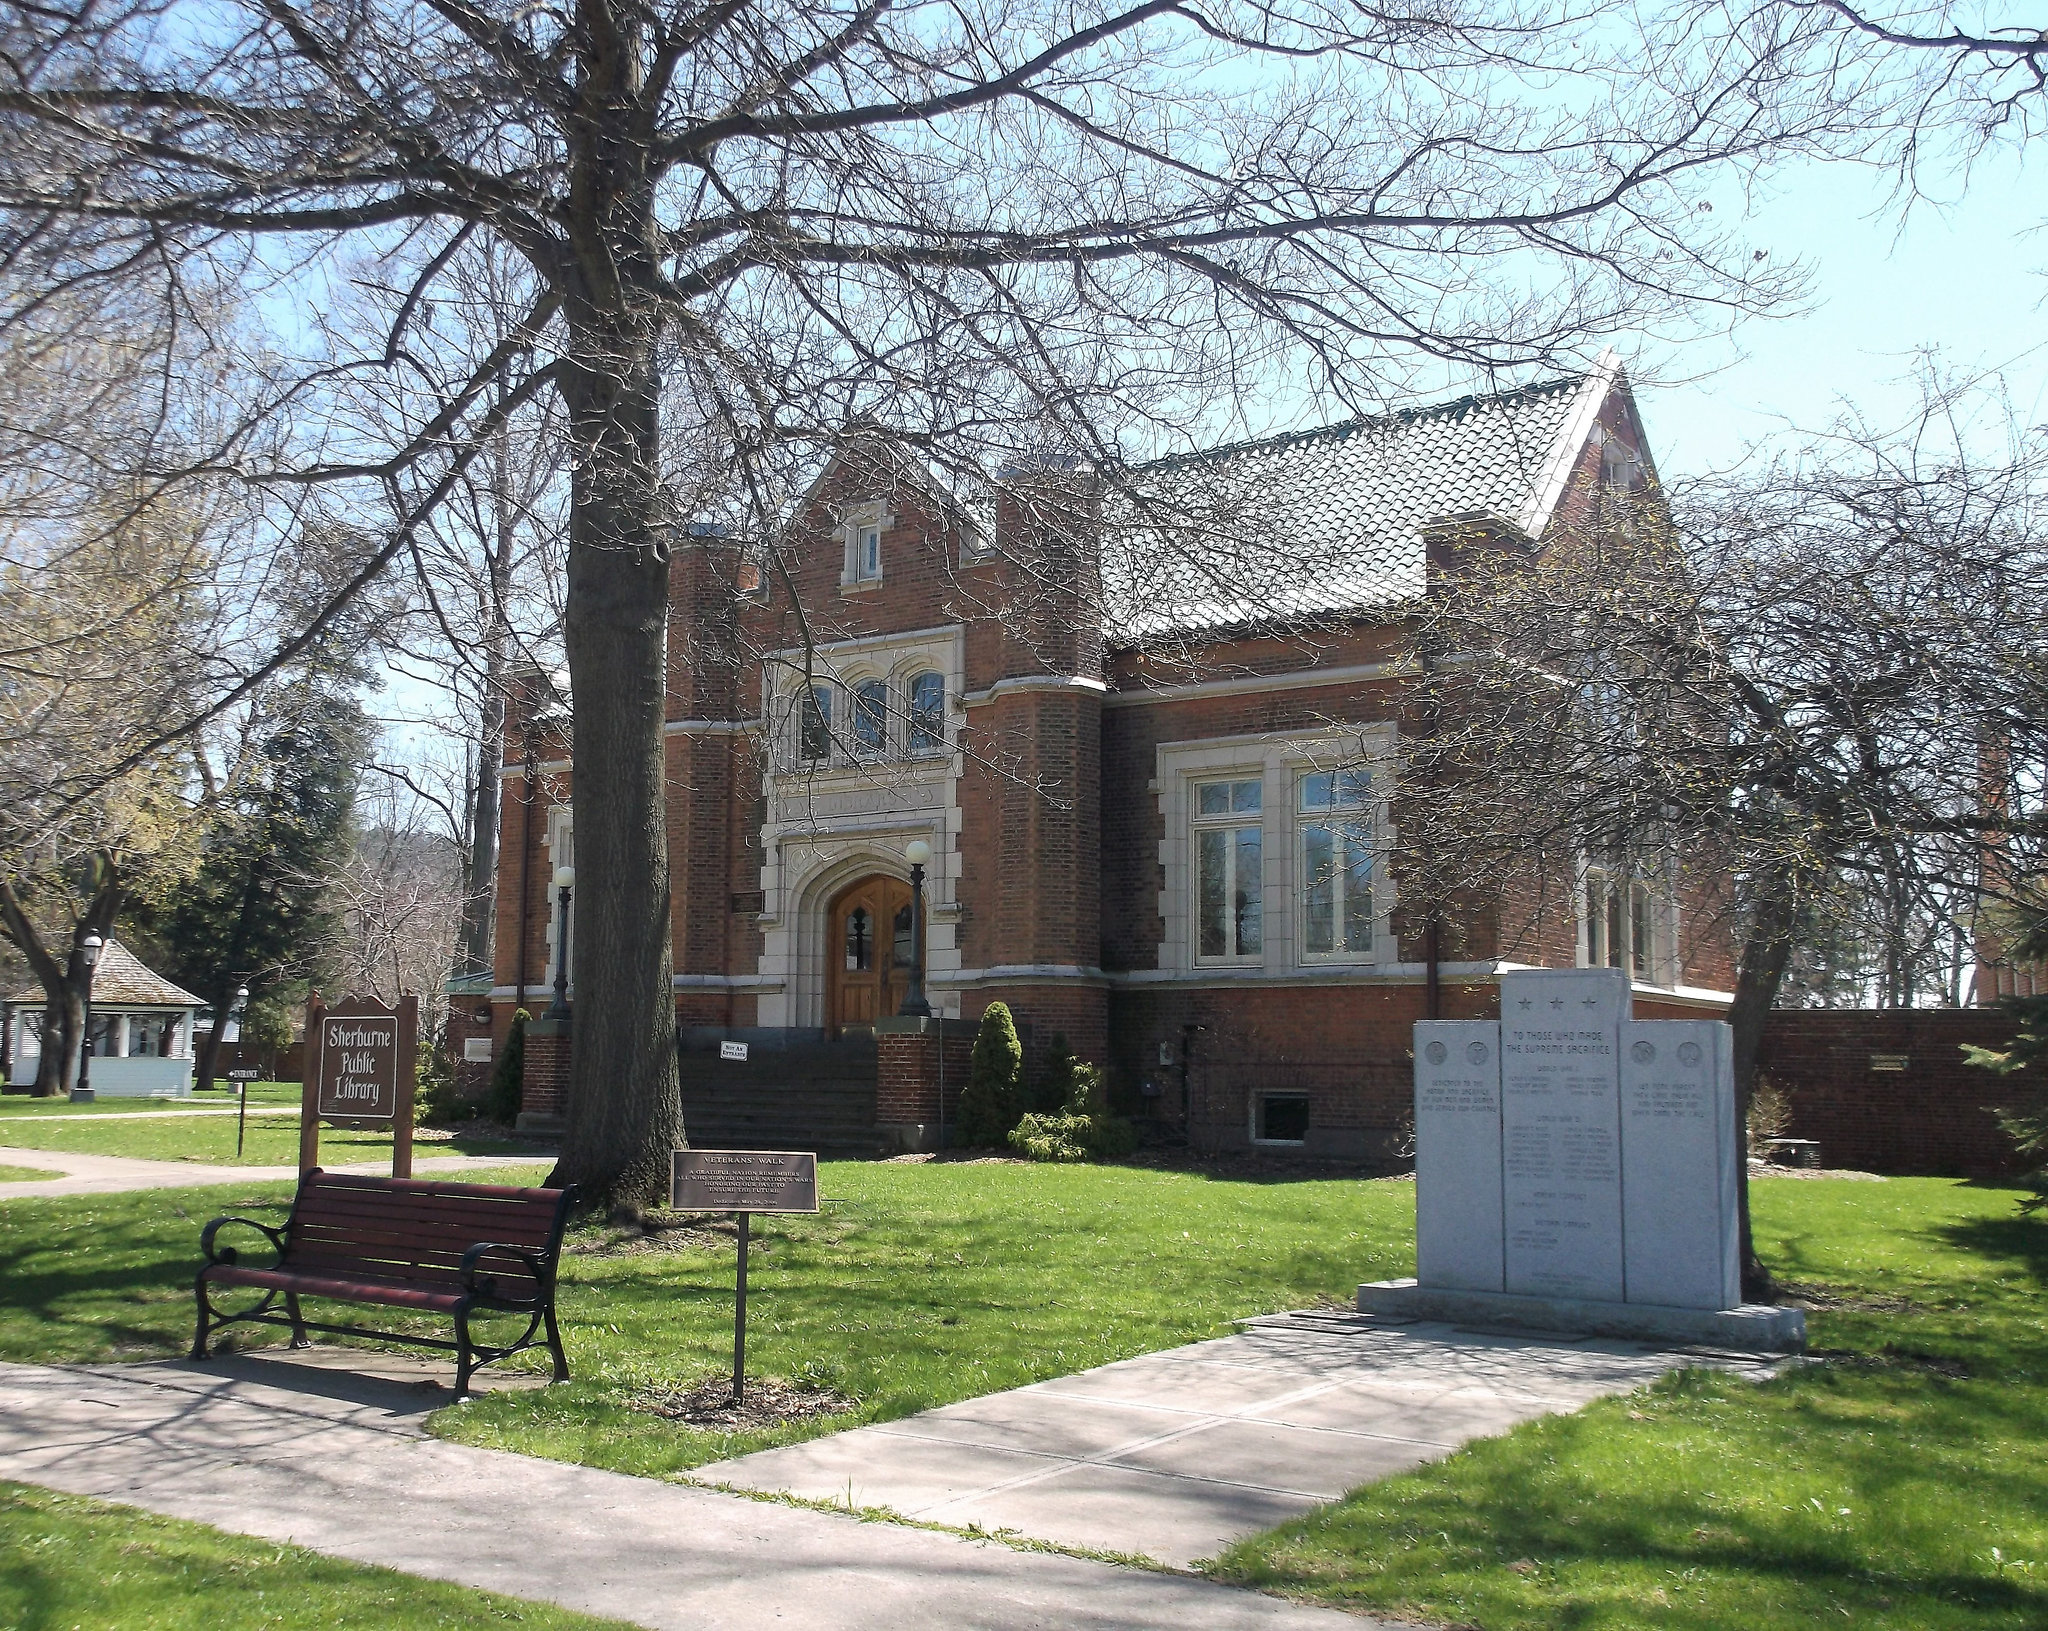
<point x="1280" y="1118"/>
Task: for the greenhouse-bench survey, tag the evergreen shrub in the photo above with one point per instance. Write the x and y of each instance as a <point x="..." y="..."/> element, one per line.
<point x="508" y="1081"/>
<point x="1083" y="1128"/>
<point x="988" y="1105"/>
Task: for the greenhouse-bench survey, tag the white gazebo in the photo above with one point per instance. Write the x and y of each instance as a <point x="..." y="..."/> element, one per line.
<point x="141" y="1031"/>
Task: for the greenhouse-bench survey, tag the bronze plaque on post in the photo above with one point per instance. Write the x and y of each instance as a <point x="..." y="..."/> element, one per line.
<point x="744" y="1181"/>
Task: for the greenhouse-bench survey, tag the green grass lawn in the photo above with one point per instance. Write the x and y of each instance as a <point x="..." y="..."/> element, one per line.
<point x="1900" y="1482"/>
<point x="271" y="1140"/>
<point x="90" y="1566"/>
<point x="269" y="1094"/>
<point x="22" y="1175"/>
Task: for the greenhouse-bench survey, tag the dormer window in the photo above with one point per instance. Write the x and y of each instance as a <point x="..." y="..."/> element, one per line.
<point x="861" y="535"/>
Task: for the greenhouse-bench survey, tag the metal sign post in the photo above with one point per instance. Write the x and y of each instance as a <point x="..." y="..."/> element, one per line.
<point x="743" y="1182"/>
<point x="242" y="1075"/>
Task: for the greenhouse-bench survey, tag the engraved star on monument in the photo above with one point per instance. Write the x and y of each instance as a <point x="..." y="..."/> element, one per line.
<point x="1590" y="1002"/>
<point x="1557" y="1002"/>
<point x="1526" y="1003"/>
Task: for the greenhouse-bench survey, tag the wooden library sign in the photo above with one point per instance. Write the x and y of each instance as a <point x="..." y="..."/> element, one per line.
<point x="360" y="1067"/>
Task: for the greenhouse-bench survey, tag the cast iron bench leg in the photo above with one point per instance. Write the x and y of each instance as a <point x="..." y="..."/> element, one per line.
<point x="291" y="1307"/>
<point x="465" y="1356"/>
<point x="199" y="1336"/>
<point x="555" y="1343"/>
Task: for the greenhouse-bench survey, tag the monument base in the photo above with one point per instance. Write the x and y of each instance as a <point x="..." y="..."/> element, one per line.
<point x="1756" y="1327"/>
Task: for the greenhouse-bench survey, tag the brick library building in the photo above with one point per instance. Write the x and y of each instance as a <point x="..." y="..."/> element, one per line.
<point x="1146" y="810"/>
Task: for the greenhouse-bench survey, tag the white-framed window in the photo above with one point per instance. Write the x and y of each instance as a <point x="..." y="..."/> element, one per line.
<point x="1337" y="846"/>
<point x="1626" y="923"/>
<point x="870" y="718"/>
<point x="924" y="697"/>
<point x="1229" y="840"/>
<point x="1315" y="806"/>
<point x="861" y="530"/>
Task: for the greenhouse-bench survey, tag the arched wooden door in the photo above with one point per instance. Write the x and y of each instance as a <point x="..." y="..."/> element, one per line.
<point x="867" y="958"/>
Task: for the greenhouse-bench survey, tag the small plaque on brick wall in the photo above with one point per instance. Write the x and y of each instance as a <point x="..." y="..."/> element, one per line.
<point x="1890" y="1061"/>
<point x="476" y="1050"/>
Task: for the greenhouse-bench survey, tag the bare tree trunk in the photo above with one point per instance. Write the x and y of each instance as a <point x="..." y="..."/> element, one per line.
<point x="480" y="898"/>
<point x="1766" y="950"/>
<point x="63" y="983"/>
<point x="624" y="1115"/>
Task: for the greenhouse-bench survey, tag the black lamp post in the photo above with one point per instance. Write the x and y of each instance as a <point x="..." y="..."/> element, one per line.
<point x="234" y="1023"/>
<point x="917" y="852"/>
<point x="81" y="1091"/>
<point x="558" y="1010"/>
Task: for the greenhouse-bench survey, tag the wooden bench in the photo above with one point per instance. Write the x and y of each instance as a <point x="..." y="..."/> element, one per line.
<point x="411" y="1243"/>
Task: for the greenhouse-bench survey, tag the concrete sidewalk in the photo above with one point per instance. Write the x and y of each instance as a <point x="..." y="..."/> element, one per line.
<point x="335" y="1462"/>
<point x="1174" y="1455"/>
<point x="112" y="1174"/>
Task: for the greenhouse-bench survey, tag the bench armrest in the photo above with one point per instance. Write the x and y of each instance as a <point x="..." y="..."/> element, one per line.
<point x="530" y="1259"/>
<point x="228" y="1254"/>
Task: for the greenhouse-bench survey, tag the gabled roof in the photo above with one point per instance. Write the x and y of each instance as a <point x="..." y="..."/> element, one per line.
<point x="1334" y="520"/>
<point x="123" y="980"/>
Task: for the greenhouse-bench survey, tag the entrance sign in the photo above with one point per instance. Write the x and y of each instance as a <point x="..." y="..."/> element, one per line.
<point x="743" y="1182"/>
<point x="732" y="1050"/>
<point x="360" y="1067"/>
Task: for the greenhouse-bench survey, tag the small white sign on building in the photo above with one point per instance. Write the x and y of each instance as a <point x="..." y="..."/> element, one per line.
<point x="732" y="1050"/>
<point x="476" y="1050"/>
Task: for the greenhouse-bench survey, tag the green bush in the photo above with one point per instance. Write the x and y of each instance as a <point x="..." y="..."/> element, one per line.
<point x="508" y="1081"/>
<point x="988" y="1106"/>
<point x="1083" y="1128"/>
<point x="434" y="1103"/>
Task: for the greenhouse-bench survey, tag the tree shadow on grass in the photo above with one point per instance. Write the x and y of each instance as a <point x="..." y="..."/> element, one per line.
<point x="2013" y="1242"/>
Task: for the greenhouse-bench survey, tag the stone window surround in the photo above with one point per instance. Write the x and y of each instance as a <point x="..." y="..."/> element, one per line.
<point x="841" y="668"/>
<point x="853" y="519"/>
<point x="1664" y="969"/>
<point x="1278" y="759"/>
<point x="828" y="825"/>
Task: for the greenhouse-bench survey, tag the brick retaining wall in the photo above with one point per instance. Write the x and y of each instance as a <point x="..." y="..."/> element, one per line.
<point x="1931" y="1117"/>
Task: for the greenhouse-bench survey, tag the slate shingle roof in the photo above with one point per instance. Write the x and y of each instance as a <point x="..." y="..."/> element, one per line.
<point x="1332" y="520"/>
<point x="123" y="980"/>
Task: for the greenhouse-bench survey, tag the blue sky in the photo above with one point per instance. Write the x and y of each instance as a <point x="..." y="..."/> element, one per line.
<point x="1966" y="272"/>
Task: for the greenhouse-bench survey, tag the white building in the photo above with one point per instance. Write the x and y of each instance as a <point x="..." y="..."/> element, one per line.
<point x="141" y="1031"/>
